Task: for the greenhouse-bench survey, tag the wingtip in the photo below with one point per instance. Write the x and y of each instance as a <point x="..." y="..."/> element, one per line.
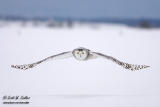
<point x="22" y="67"/>
<point x="146" y="66"/>
<point x="139" y="67"/>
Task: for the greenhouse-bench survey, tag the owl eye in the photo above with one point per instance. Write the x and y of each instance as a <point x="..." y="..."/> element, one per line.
<point x="82" y="52"/>
<point x="78" y="52"/>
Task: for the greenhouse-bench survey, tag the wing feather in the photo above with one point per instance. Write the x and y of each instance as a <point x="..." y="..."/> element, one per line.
<point x="58" y="56"/>
<point x="123" y="64"/>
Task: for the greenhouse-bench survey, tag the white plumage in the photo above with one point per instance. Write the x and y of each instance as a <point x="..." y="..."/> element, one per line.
<point x="82" y="54"/>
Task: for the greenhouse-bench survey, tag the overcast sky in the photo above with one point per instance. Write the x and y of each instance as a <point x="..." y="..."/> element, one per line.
<point x="82" y="8"/>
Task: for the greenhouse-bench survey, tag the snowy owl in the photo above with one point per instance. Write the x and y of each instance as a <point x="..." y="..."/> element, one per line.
<point x="82" y="54"/>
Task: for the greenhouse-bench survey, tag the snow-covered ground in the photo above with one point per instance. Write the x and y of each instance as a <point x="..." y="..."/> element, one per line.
<point x="72" y="83"/>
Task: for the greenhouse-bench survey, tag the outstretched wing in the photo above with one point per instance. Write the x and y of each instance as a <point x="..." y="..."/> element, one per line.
<point x="58" y="56"/>
<point x="123" y="64"/>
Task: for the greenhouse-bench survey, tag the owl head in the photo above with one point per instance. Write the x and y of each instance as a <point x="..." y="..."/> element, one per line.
<point x="81" y="53"/>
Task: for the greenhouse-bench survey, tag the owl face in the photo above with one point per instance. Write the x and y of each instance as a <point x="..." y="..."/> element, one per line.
<point x="81" y="53"/>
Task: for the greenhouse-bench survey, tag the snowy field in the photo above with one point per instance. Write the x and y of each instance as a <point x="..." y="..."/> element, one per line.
<point x="72" y="83"/>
